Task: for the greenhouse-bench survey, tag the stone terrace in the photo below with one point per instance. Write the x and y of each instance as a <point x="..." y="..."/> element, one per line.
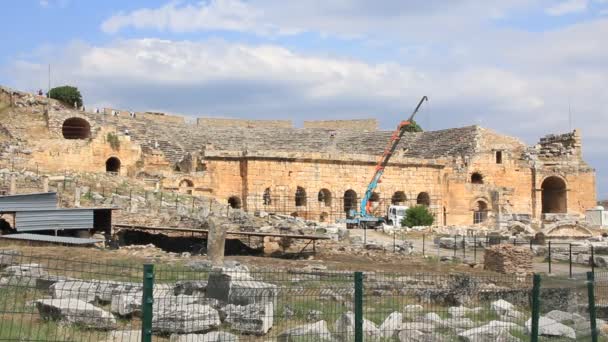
<point x="176" y="139"/>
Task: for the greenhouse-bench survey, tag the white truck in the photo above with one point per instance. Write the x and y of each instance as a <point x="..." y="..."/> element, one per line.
<point x="395" y="214"/>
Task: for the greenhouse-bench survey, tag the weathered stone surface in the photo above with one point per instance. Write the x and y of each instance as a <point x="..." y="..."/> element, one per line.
<point x="190" y="287"/>
<point x="508" y="259"/>
<point x="501" y="307"/>
<point x="254" y="319"/>
<point x="314" y="332"/>
<point x="560" y="316"/>
<point x="9" y="257"/>
<point x="390" y="324"/>
<point x="183" y="315"/>
<point x="345" y="327"/>
<point x="124" y="336"/>
<point x="549" y="327"/>
<point x="493" y="331"/>
<point x="28" y="275"/>
<point x="418" y="336"/>
<point x="314" y="316"/>
<point x="90" y="291"/>
<point x="75" y="311"/>
<point x="229" y="288"/>
<point x="412" y="310"/>
<point x="214" y="336"/>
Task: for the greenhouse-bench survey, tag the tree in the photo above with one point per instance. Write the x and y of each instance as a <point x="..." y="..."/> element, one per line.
<point x="417" y="216"/>
<point x="67" y="94"/>
<point x="414" y="127"/>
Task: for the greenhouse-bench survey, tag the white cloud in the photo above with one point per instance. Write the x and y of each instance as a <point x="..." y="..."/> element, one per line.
<point x="230" y="15"/>
<point x="44" y="3"/>
<point x="568" y="7"/>
<point x="392" y="18"/>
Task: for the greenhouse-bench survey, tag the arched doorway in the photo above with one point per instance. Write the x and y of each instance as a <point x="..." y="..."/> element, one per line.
<point x="324" y="197"/>
<point x="399" y="198"/>
<point x="554" y="199"/>
<point x="113" y="165"/>
<point x="234" y="202"/>
<point x="423" y="199"/>
<point x="480" y="212"/>
<point x="185" y="186"/>
<point x="350" y="201"/>
<point x="76" y="128"/>
<point x="300" y="197"/>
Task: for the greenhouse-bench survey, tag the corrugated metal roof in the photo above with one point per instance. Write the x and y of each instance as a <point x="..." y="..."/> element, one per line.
<point x="56" y="219"/>
<point x="37" y="201"/>
<point x="51" y="239"/>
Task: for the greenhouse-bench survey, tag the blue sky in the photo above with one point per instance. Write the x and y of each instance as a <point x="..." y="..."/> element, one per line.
<point x="514" y="66"/>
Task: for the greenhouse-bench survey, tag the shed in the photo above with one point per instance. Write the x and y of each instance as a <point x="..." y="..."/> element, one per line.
<point x="36" y="201"/>
<point x="98" y="219"/>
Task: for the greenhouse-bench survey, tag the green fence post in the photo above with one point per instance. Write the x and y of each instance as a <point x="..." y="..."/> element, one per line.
<point x="591" y="296"/>
<point x="358" y="307"/>
<point x="535" y="308"/>
<point x="147" y="302"/>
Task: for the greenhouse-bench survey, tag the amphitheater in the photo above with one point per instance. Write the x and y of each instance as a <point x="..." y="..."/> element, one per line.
<point x="467" y="175"/>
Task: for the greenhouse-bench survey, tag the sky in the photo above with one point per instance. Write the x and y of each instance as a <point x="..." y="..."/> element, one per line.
<point x="521" y="67"/>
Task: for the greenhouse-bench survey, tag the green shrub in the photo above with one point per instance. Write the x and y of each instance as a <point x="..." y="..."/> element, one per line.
<point x="113" y="141"/>
<point x="413" y="127"/>
<point x="417" y="216"/>
<point x="67" y="94"/>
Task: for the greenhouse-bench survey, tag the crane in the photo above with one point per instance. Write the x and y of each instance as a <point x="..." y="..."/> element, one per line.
<point x="365" y="217"/>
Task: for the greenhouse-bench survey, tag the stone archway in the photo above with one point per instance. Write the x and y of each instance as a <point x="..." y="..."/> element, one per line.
<point x="76" y="128"/>
<point x="480" y="211"/>
<point x="399" y="198"/>
<point x="554" y="200"/>
<point x="423" y="199"/>
<point x="350" y="200"/>
<point x="186" y="186"/>
<point x="300" y="198"/>
<point x="113" y="165"/>
<point x="234" y="202"/>
<point x="324" y="197"/>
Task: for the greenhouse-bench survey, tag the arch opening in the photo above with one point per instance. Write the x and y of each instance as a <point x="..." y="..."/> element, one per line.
<point x="76" y="128"/>
<point x="266" y="197"/>
<point x="186" y="186"/>
<point x="480" y="212"/>
<point x="477" y="178"/>
<point x="234" y="202"/>
<point x="554" y="199"/>
<point x="300" y="197"/>
<point x="113" y="165"/>
<point x="423" y="199"/>
<point x="350" y="201"/>
<point x="399" y="198"/>
<point x="324" y="197"/>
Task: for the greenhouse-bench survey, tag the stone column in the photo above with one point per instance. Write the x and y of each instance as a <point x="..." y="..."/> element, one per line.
<point x="13" y="186"/>
<point x="77" y="196"/>
<point x="45" y="184"/>
<point x="216" y="242"/>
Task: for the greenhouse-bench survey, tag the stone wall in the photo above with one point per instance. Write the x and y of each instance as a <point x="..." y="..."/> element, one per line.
<point x="359" y="125"/>
<point x="508" y="259"/>
<point x="218" y="122"/>
<point x="161" y="117"/>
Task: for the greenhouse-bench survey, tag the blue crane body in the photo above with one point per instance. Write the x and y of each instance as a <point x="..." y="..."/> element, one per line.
<point x="364" y="217"/>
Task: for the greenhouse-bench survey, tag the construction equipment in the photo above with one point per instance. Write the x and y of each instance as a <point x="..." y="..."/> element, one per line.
<point x="364" y="218"/>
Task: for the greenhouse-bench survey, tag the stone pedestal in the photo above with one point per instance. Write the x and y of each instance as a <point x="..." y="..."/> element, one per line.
<point x="45" y="184"/>
<point x="216" y="242"/>
<point x="77" y="197"/>
<point x="12" y="190"/>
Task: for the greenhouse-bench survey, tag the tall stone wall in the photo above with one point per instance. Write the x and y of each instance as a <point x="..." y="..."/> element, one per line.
<point x="358" y="125"/>
<point x="218" y="122"/>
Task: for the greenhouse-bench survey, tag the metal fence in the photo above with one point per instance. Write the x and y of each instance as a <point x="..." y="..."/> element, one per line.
<point x="49" y="299"/>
